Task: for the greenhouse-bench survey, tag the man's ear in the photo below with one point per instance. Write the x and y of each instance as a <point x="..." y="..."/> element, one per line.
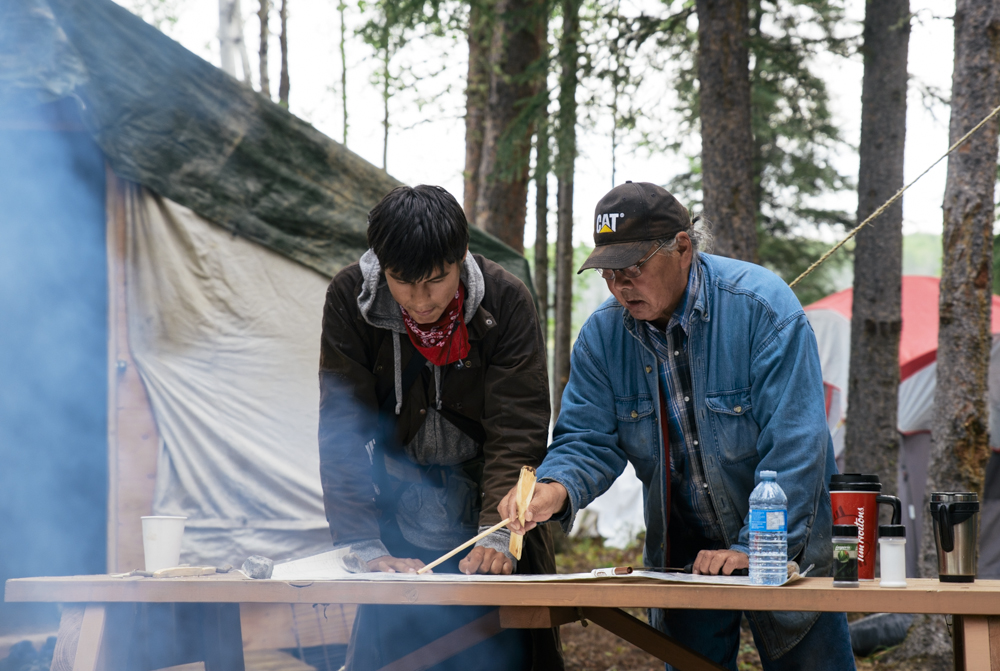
<point x="684" y="244"/>
<point x="464" y="254"/>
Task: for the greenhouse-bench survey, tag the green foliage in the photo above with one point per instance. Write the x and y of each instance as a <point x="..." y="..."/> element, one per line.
<point x="589" y="289"/>
<point x="583" y="554"/>
<point x="789" y="257"/>
<point x="794" y="134"/>
<point x="923" y="253"/>
<point x="996" y="264"/>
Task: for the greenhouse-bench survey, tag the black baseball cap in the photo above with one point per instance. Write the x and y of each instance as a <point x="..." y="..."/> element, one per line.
<point x="628" y="218"/>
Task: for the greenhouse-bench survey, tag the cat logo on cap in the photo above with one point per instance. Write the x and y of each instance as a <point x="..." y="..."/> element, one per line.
<point x="608" y="223"/>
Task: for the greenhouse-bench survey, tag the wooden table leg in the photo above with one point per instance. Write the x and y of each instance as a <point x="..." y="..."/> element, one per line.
<point x="618" y="622"/>
<point x="977" y="642"/>
<point x="173" y="634"/>
<point x="223" y="637"/>
<point x="449" y="645"/>
<point x="93" y="637"/>
<point x="650" y="639"/>
<point x="68" y="637"/>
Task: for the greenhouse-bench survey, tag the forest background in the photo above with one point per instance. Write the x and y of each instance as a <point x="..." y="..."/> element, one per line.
<point x="576" y="96"/>
<point x="644" y="133"/>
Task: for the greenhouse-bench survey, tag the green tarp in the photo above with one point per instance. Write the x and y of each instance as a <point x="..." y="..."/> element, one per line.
<point x="171" y="121"/>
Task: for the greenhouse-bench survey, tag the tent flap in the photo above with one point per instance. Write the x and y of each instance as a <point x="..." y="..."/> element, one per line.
<point x="225" y="334"/>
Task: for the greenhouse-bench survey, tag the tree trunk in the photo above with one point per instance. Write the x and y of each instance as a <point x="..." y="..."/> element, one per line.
<point x="501" y="199"/>
<point x="565" y="160"/>
<point x="283" y="83"/>
<point x="960" y="445"/>
<point x="265" y="33"/>
<point x="959" y="440"/>
<point x="726" y="135"/>
<point x="872" y="440"/>
<point x="386" y="80"/>
<point x="342" y="7"/>
<point x="227" y="36"/>
<point x="476" y="95"/>
<point x="241" y="44"/>
<point x="542" y="169"/>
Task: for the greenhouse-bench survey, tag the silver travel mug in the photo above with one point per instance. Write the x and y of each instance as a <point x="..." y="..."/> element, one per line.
<point x="956" y="528"/>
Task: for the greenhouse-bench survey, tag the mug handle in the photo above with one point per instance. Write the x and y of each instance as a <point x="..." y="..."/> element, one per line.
<point x="897" y="507"/>
<point x="944" y="524"/>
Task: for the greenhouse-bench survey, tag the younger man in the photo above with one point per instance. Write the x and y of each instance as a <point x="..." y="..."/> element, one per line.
<point x="434" y="393"/>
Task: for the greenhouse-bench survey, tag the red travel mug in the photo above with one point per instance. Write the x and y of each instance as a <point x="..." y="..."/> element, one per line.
<point x="855" y="498"/>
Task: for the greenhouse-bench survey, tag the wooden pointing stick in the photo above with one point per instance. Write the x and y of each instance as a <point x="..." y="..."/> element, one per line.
<point x="525" y="488"/>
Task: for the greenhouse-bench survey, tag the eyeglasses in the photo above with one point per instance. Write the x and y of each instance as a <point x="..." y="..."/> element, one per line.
<point x="631" y="272"/>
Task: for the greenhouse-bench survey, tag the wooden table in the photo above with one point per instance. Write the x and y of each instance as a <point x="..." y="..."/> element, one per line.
<point x="98" y="627"/>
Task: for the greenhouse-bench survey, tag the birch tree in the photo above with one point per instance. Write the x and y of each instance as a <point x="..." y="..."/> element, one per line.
<point x="872" y="439"/>
<point x="265" y="34"/>
<point x="283" y="84"/>
<point x="342" y="9"/>
<point x="231" y="43"/>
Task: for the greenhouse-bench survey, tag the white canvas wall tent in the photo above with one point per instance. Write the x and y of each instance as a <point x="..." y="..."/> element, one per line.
<point x="831" y="320"/>
<point x="227" y="216"/>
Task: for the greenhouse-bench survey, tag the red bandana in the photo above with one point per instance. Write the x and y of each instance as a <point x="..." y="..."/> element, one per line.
<point x="446" y="340"/>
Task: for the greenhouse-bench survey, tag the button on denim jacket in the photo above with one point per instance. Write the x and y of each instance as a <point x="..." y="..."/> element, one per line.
<point x="759" y="405"/>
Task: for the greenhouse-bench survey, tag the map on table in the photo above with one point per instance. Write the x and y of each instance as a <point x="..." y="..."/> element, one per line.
<point x="331" y="566"/>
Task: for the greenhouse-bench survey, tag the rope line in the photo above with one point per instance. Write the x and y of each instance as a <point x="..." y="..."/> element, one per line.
<point x="897" y="196"/>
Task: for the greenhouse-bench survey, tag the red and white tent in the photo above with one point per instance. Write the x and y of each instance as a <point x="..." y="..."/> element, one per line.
<point x="831" y="321"/>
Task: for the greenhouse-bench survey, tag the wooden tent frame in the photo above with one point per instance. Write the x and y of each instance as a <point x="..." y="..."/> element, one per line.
<point x="133" y="448"/>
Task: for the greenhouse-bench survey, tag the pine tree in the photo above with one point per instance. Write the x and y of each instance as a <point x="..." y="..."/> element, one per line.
<point x="543" y="166"/>
<point x="569" y="43"/>
<point x="510" y="112"/>
<point x="959" y="433"/>
<point x="793" y="131"/>
<point x="477" y="83"/>
<point x="726" y="135"/>
<point x="872" y="440"/>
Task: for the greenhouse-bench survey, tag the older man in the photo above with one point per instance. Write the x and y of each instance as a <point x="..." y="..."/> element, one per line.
<point x="702" y="371"/>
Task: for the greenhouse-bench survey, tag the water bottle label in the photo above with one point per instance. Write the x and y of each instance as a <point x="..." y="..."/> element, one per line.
<point x="767" y="520"/>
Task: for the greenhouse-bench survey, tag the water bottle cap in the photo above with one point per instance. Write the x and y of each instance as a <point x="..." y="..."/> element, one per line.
<point x="892" y="531"/>
<point x="769" y="475"/>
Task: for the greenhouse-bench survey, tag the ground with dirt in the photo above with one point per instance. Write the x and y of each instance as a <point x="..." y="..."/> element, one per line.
<point x="593" y="648"/>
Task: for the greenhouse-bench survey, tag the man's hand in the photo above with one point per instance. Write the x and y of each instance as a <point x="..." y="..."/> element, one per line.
<point x="486" y="560"/>
<point x="549" y="498"/>
<point x="716" y="562"/>
<point x="390" y="564"/>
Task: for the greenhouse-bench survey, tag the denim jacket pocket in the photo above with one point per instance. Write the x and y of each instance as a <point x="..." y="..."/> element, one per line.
<point x="733" y="426"/>
<point x="636" y="426"/>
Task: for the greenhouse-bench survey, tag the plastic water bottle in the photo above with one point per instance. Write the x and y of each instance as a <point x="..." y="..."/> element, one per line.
<point x="768" y="532"/>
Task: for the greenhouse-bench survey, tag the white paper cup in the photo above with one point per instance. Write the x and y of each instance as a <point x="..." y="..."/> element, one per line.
<point x="161" y="541"/>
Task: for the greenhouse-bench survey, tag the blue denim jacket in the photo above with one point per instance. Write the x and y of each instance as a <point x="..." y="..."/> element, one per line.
<point x="759" y="405"/>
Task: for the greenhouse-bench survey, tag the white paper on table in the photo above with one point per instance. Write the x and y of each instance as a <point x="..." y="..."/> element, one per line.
<point x="634" y="577"/>
<point x="324" y="566"/>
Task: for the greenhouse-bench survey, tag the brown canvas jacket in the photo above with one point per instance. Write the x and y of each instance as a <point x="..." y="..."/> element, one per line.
<point x="502" y="385"/>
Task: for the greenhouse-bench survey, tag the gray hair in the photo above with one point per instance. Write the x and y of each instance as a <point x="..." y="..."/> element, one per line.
<point x="701" y="238"/>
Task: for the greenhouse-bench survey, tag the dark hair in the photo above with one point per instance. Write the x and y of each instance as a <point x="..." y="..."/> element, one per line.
<point x="414" y="231"/>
